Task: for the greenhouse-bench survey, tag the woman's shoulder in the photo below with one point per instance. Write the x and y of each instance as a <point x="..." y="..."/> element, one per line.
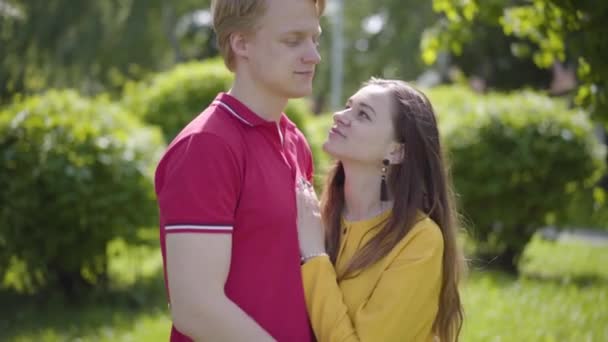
<point x="425" y="235"/>
<point x="427" y="226"/>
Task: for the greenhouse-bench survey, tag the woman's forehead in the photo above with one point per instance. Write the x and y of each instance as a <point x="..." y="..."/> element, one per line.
<point x="373" y="95"/>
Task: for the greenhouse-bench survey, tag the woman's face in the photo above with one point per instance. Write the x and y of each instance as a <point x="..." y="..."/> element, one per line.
<point x="363" y="131"/>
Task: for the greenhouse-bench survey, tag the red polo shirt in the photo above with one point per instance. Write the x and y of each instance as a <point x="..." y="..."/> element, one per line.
<point x="231" y="172"/>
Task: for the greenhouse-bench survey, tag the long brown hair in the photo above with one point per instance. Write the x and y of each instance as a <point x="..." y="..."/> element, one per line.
<point x="420" y="183"/>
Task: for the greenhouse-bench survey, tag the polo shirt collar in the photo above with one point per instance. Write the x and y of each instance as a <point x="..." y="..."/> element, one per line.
<point x="243" y="113"/>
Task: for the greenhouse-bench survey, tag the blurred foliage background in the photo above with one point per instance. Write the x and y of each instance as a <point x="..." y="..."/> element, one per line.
<point x="91" y="93"/>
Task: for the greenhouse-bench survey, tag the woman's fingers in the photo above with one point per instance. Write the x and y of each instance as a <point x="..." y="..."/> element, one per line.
<point x="305" y="186"/>
<point x="307" y="204"/>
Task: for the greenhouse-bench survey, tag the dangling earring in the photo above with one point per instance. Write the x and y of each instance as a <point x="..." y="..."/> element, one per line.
<point x="383" y="192"/>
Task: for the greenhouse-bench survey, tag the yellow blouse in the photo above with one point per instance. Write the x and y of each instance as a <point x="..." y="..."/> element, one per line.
<point x="395" y="299"/>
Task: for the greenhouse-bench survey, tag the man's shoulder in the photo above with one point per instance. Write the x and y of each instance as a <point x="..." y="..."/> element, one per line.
<point x="212" y="121"/>
<point x="211" y="131"/>
<point x="211" y="127"/>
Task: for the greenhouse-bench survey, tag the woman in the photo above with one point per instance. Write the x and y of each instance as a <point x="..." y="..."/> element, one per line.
<point x="380" y="257"/>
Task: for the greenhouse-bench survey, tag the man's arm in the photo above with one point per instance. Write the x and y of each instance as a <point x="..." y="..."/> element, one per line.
<point x="198" y="186"/>
<point x="197" y="268"/>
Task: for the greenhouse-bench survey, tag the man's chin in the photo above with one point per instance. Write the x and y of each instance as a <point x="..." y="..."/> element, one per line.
<point x="299" y="90"/>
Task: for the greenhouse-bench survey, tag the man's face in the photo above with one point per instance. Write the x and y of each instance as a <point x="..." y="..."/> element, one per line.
<point x="283" y="51"/>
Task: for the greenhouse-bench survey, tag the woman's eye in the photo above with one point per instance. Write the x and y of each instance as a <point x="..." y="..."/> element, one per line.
<point x="364" y="115"/>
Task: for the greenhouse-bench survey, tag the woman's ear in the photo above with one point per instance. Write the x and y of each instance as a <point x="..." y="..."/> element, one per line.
<point x="397" y="154"/>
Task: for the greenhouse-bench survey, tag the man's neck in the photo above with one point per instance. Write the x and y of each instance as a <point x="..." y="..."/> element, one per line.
<point x="267" y="105"/>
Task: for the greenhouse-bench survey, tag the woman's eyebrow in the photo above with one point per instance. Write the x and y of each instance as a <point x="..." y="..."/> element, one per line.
<point x="363" y="104"/>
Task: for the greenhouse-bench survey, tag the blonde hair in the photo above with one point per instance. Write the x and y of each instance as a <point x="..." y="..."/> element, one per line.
<point x="230" y="16"/>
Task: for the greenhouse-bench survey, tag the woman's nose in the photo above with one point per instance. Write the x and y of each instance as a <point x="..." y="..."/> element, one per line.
<point x="341" y="117"/>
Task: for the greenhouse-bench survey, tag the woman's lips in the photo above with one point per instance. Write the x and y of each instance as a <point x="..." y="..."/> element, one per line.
<point x="336" y="131"/>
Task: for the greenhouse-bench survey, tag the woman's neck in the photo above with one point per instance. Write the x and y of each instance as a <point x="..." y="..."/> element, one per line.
<point x="362" y="192"/>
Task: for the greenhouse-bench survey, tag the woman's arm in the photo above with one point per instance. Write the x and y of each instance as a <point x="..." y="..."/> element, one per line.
<point x="402" y="306"/>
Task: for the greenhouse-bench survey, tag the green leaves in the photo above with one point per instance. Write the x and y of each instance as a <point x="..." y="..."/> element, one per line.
<point x="514" y="157"/>
<point x="92" y="46"/>
<point x="173" y="98"/>
<point x="559" y="30"/>
<point x="75" y="173"/>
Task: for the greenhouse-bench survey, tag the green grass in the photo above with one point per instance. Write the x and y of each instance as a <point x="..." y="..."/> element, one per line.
<point x="124" y="320"/>
<point x="502" y="308"/>
<point x="561" y="296"/>
<point x="572" y="261"/>
<point x="133" y="309"/>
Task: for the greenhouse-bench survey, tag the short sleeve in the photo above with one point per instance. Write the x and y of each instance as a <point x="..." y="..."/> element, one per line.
<point x="198" y="186"/>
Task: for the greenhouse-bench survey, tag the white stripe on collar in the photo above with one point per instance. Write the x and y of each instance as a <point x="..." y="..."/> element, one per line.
<point x="280" y="133"/>
<point x="232" y="111"/>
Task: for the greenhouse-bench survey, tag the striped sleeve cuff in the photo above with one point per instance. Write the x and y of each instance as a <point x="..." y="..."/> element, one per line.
<point x="198" y="228"/>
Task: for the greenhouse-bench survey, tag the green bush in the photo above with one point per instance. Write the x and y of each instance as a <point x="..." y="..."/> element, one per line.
<point x="516" y="160"/>
<point x="298" y="111"/>
<point x="316" y="133"/>
<point x="171" y="99"/>
<point x="74" y="173"/>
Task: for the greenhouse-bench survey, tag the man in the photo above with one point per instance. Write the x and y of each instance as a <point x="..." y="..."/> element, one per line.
<point x="226" y="183"/>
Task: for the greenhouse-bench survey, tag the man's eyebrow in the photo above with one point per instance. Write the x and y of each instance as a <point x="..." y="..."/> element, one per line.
<point x="299" y="32"/>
